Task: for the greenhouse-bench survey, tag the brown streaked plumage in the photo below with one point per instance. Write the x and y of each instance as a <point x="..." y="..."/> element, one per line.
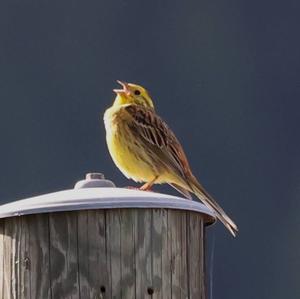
<point x="145" y="149"/>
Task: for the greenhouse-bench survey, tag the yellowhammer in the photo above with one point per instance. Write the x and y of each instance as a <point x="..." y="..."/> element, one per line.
<point x="145" y="149"/>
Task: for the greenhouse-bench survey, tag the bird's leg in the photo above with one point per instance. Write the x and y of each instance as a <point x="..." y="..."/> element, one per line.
<point x="148" y="185"/>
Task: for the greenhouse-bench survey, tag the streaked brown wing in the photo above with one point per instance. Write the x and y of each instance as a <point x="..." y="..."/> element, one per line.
<point x="150" y="129"/>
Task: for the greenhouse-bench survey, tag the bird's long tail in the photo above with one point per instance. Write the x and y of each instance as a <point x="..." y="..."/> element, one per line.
<point x="203" y="195"/>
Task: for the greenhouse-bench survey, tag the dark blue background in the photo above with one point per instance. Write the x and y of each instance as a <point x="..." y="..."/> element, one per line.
<point x="223" y="74"/>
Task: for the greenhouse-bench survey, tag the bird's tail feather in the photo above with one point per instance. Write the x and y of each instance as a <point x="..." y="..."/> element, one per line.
<point x="204" y="196"/>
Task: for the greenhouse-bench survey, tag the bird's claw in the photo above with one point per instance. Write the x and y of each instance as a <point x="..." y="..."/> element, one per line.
<point x="140" y="189"/>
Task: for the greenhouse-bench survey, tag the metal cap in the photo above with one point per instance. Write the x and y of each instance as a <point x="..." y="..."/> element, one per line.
<point x="87" y="195"/>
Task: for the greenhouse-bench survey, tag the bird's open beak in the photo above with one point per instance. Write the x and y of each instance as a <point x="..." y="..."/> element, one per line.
<point x="125" y="89"/>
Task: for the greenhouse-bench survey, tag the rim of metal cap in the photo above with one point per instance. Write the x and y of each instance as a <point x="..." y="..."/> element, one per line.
<point x="102" y="198"/>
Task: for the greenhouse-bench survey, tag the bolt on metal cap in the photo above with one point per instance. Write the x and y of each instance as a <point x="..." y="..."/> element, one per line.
<point x="94" y="180"/>
<point x="94" y="176"/>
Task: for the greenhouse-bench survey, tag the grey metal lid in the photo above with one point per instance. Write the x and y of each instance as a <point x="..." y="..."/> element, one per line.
<point x="91" y="196"/>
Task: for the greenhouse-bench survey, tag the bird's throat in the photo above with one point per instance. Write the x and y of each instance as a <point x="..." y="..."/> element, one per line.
<point x="121" y="99"/>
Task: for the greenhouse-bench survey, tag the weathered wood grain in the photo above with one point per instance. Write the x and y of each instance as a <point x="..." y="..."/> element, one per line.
<point x="63" y="255"/>
<point x="39" y="256"/>
<point x="184" y="251"/>
<point x="175" y="231"/>
<point x="166" y="256"/>
<point x="143" y="252"/>
<point x="92" y="266"/>
<point x="194" y="256"/>
<point x="15" y="239"/>
<point x="113" y="235"/>
<point x="128" y="271"/>
<point x="23" y="280"/>
<point x="1" y="257"/>
<point x="202" y="259"/>
<point x="7" y="259"/>
<point x="97" y="254"/>
<point x="157" y="242"/>
<point x="86" y="282"/>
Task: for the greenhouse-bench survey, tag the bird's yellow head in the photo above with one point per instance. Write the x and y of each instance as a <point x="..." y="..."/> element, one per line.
<point x="132" y="94"/>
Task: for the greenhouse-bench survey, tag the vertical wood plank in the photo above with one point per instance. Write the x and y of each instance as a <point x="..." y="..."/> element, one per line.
<point x="1" y="257"/>
<point x="202" y="259"/>
<point x="143" y="252"/>
<point x="98" y="251"/>
<point x="24" y="290"/>
<point x="7" y="258"/>
<point x="166" y="257"/>
<point x="184" y="252"/>
<point x="157" y="239"/>
<point x="92" y="254"/>
<point x="15" y="255"/>
<point x="127" y="253"/>
<point x="63" y="255"/>
<point x="113" y="238"/>
<point x="194" y="262"/>
<point x="175" y="232"/>
<point x="39" y="256"/>
<point x="86" y="286"/>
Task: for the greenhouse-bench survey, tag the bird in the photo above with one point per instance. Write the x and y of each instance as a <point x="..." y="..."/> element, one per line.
<point x="146" y="150"/>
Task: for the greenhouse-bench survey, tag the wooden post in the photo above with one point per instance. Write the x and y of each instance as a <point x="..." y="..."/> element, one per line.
<point x="150" y="251"/>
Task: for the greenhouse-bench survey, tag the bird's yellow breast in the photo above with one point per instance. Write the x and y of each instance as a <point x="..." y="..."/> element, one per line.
<point x="128" y="157"/>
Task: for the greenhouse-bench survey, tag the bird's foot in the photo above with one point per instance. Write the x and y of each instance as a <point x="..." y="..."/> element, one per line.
<point x="148" y="189"/>
<point x="140" y="188"/>
<point x="132" y="188"/>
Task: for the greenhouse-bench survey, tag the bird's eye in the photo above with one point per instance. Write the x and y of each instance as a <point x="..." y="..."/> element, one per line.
<point x="137" y="92"/>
